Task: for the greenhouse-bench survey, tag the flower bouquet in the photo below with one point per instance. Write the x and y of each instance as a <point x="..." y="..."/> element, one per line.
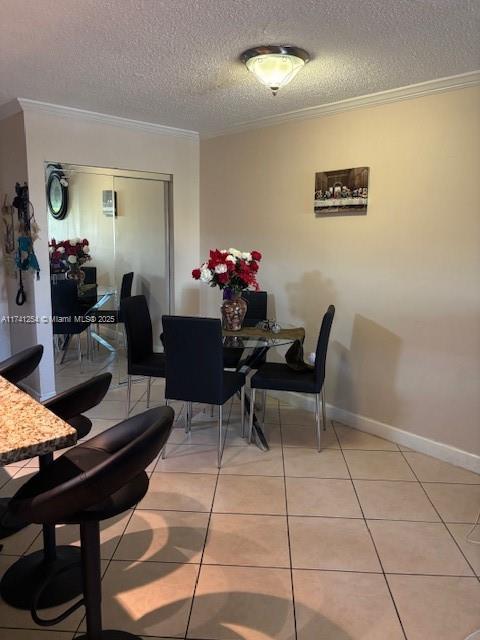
<point x="69" y="256"/>
<point x="232" y="271"/>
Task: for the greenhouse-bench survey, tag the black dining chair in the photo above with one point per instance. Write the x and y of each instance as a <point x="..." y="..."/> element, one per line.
<point x="92" y="482"/>
<point x="21" y="580"/>
<point x="142" y="360"/>
<point x="70" y="318"/>
<point x="114" y="316"/>
<point x="88" y="299"/>
<point x="256" y="312"/>
<point x="194" y="368"/>
<point x="21" y="364"/>
<point x="275" y="376"/>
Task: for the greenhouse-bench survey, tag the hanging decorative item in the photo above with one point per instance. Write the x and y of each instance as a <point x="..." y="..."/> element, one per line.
<point x="27" y="233"/>
<point x="8" y="228"/>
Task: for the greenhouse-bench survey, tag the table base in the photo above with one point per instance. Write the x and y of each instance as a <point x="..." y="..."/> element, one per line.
<point x="23" y="578"/>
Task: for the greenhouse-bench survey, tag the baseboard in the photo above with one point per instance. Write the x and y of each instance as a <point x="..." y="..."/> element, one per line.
<point x="439" y="450"/>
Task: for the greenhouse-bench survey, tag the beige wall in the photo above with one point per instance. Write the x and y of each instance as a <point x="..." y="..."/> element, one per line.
<point x="405" y="346"/>
<point x="13" y="168"/>
<point x="76" y="140"/>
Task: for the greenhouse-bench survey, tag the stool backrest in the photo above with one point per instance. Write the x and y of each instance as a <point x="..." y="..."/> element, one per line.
<point x="322" y="346"/>
<point x="138" y="327"/>
<point x="194" y="359"/>
<point x="93" y="471"/>
<point x="22" y="364"/>
<point x="83" y="397"/>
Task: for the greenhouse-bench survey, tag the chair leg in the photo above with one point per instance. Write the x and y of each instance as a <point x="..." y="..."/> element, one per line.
<point x="149" y="385"/>
<point x="264" y="405"/>
<point x="188" y="418"/>
<point x="317" y="418"/>
<point x="212" y="410"/>
<point x="91" y="575"/>
<point x="129" y="393"/>
<point x="324" y="410"/>
<point x="79" y="348"/>
<point x="220" y="437"/>
<point x="242" y="409"/>
<point x="252" y="411"/>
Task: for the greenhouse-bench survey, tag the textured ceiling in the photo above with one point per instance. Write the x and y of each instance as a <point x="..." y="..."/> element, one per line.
<point x="175" y="62"/>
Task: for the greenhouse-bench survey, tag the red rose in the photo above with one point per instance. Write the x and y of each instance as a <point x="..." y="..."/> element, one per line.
<point x="223" y="278"/>
<point x="256" y="255"/>
<point x="196" y="274"/>
<point x="84" y="242"/>
<point x="253" y="267"/>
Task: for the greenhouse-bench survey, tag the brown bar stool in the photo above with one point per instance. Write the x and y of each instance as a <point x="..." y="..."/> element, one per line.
<point x="91" y="482"/>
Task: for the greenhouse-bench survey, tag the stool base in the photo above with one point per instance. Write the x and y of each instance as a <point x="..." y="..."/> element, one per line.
<point x="21" y="581"/>
<point x="112" y="635"/>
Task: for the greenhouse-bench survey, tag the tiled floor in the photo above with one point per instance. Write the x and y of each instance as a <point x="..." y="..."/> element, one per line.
<point x="362" y="541"/>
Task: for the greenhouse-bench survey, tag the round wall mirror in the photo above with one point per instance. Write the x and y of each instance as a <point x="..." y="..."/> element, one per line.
<point x="57" y="194"/>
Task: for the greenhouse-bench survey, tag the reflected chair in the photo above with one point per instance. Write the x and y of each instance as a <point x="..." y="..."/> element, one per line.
<point x="256" y="312"/>
<point x="280" y="377"/>
<point x="22" y="364"/>
<point x="94" y="481"/>
<point x="69" y="316"/>
<point x="142" y="360"/>
<point x="88" y="299"/>
<point x="194" y="368"/>
<point x="114" y="316"/>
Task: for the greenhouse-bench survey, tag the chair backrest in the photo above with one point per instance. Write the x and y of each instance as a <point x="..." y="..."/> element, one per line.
<point x="126" y="287"/>
<point x="65" y="304"/>
<point x="322" y="347"/>
<point x="83" y="397"/>
<point x="138" y="327"/>
<point x="256" y="307"/>
<point x="90" y="275"/>
<point x="91" y="472"/>
<point x="22" y="364"/>
<point x="194" y="359"/>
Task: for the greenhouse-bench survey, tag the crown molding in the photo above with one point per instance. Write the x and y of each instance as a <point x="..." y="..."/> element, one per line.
<point x="440" y="85"/>
<point x="35" y="106"/>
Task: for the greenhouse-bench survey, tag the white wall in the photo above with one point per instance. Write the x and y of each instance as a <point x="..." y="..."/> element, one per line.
<point x="405" y="278"/>
<point x="76" y="139"/>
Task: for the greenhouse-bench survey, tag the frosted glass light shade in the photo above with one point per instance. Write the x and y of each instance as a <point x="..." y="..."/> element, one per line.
<point x="275" y="66"/>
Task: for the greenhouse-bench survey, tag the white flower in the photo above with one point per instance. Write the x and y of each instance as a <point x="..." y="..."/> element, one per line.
<point x="230" y="258"/>
<point x="72" y="259"/>
<point x="220" y="268"/>
<point x="235" y="252"/>
<point x="247" y="256"/>
<point x="72" y="242"/>
<point x="61" y="249"/>
<point x="86" y="249"/>
<point x="206" y="275"/>
<point x="50" y="250"/>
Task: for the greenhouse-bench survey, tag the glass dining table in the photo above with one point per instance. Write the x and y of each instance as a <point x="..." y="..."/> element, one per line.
<point x="255" y="342"/>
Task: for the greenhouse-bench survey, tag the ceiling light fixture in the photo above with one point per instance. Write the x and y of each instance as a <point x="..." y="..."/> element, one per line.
<point x="275" y="65"/>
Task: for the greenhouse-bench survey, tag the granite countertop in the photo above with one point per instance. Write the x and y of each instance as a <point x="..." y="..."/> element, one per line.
<point x="27" y="428"/>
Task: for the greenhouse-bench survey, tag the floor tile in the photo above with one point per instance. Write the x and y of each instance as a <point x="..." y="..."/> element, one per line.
<point x="180" y="492"/>
<point x="164" y="536"/>
<point x="437" y="608"/>
<point x="428" y="469"/>
<point x="471" y="550"/>
<point x="34" y="634"/>
<point x="250" y="540"/>
<point x="455" y="502"/>
<point x="332" y="543"/>
<point x="387" y="500"/>
<point x="189" y="458"/>
<point x="356" y="439"/>
<point x="301" y="436"/>
<point x="295" y="415"/>
<point x="13" y="485"/>
<point x="111" y="531"/>
<point x="234" y="603"/>
<point x="302" y="462"/>
<point x="332" y="605"/>
<point x="148" y="598"/>
<point x="108" y="410"/>
<point x="234" y="434"/>
<point x="250" y="494"/>
<point x="20" y="542"/>
<point x="322" y="497"/>
<point x="417" y="547"/>
<point x="378" y="465"/>
<point x="250" y="460"/>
